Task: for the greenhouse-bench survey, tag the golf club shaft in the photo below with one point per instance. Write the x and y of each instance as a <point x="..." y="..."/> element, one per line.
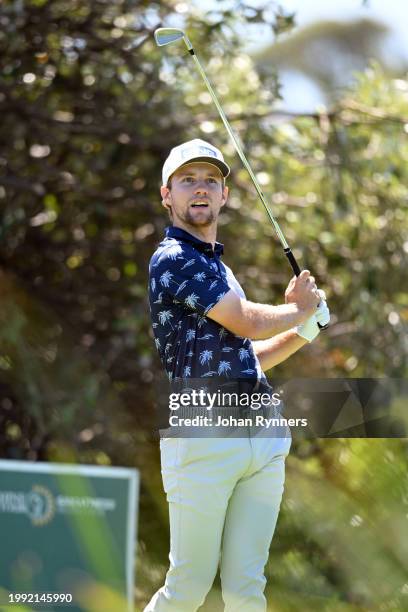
<point x="286" y="248"/>
<point x="238" y="148"/>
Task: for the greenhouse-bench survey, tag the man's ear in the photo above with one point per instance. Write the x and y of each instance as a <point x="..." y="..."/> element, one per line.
<point x="166" y="197"/>
<point x="225" y="192"/>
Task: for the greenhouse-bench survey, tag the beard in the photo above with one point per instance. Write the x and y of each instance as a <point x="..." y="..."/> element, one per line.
<point x="203" y="219"/>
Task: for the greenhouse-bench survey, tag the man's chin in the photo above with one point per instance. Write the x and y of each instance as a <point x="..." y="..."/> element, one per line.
<point x="201" y="220"/>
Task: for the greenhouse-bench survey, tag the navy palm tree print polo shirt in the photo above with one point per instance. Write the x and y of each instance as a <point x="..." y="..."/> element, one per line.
<point x="187" y="278"/>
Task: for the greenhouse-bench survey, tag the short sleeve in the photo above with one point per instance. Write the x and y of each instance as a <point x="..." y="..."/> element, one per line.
<point x="188" y="277"/>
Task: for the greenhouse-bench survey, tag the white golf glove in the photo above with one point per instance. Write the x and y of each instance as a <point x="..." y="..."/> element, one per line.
<point x="309" y="330"/>
<point x="322" y="313"/>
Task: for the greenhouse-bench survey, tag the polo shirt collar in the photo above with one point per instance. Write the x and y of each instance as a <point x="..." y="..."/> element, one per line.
<point x="204" y="247"/>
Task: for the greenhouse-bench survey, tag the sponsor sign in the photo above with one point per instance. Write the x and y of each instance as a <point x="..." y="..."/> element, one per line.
<point x="68" y="529"/>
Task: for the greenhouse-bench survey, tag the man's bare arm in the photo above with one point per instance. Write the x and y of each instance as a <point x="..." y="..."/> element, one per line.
<point x="274" y="350"/>
<point x="260" y="321"/>
<point x="256" y="321"/>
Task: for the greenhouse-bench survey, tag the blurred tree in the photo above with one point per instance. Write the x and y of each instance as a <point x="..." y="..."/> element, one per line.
<point x="330" y="52"/>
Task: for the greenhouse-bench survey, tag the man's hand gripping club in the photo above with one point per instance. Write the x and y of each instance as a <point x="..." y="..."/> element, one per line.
<point x="303" y="291"/>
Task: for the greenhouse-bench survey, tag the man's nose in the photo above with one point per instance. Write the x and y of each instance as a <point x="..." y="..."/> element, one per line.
<point x="201" y="186"/>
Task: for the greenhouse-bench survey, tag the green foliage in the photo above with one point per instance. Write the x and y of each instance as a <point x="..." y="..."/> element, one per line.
<point x="90" y="108"/>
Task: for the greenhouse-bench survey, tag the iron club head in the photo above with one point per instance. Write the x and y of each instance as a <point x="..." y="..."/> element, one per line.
<point x="167" y="36"/>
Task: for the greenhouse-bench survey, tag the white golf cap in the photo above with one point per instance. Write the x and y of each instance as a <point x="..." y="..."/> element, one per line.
<point x="193" y="150"/>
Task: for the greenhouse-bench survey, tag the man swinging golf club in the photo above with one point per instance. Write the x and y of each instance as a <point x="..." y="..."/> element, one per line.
<point x="224" y="493"/>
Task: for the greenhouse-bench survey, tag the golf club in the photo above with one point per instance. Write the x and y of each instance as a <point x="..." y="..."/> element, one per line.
<point x="167" y="36"/>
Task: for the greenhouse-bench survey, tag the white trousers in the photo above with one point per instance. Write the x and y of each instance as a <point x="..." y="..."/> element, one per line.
<point x="224" y="496"/>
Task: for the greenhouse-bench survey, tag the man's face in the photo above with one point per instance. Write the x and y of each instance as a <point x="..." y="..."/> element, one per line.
<point x="196" y="195"/>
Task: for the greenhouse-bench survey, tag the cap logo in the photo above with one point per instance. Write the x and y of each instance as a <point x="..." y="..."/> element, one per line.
<point x="204" y="151"/>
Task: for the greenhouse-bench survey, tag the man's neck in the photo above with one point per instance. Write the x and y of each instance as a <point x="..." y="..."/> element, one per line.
<point x="206" y="234"/>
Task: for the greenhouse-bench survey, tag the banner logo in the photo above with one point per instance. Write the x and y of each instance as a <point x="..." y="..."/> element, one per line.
<point x="40" y="505"/>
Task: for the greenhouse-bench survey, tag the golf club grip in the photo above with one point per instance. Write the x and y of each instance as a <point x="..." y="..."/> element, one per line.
<point x="292" y="261"/>
<point x="296" y="270"/>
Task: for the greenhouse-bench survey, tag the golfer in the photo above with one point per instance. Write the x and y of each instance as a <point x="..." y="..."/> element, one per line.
<point x="224" y="493"/>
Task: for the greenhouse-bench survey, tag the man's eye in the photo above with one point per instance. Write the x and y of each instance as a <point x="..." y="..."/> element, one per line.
<point x="188" y="179"/>
<point x="212" y="180"/>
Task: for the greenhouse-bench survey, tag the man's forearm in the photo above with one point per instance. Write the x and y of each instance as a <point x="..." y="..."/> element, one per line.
<point x="269" y="320"/>
<point x="274" y="350"/>
<point x="256" y="321"/>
